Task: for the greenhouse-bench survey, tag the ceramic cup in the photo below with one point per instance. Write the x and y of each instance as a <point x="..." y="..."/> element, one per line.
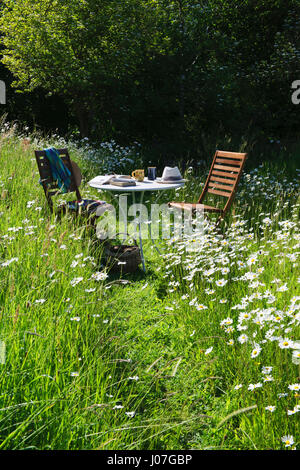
<point x="151" y="173"/>
<point x="139" y="175"/>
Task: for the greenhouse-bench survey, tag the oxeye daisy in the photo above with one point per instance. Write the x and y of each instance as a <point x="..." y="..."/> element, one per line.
<point x="268" y="378"/>
<point x="226" y="321"/>
<point x="251" y="260"/>
<point x="270" y="408"/>
<point x="285" y="343"/>
<point x="201" y="307"/>
<point x="288" y="440"/>
<point x="296" y="356"/>
<point x="76" y="281"/>
<point x="229" y="329"/>
<point x="294" y="387"/>
<point x="99" y="276"/>
<point x="242" y="339"/>
<point x="256" y="351"/>
<point x="267" y="370"/>
<point x="252" y="387"/>
<point x="225" y="270"/>
<point x="282" y="288"/>
<point x="237" y="387"/>
<point x="282" y="395"/>
<point x="244" y="316"/>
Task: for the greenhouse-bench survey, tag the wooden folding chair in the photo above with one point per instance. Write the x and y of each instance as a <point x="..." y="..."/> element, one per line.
<point x="81" y="206"/>
<point x="222" y="180"/>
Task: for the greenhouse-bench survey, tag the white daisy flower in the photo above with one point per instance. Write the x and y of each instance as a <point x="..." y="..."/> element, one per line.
<point x="288" y="440"/>
<point x="256" y="351"/>
<point x="100" y="276"/>
<point x="237" y="387"/>
<point x="270" y="408"/>
<point x="285" y="343"/>
<point x="294" y="387"/>
<point x="76" y="281"/>
<point x="242" y="339"/>
<point x="252" y="387"/>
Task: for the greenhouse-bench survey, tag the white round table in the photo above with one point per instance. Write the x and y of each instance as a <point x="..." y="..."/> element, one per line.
<point x="146" y="185"/>
<point x="140" y="188"/>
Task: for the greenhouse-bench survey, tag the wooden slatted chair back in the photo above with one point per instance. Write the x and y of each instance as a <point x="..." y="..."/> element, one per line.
<point x="49" y="185"/>
<point x="224" y="176"/>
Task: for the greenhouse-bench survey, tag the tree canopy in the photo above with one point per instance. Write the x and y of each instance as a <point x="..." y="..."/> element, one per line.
<point x="159" y="69"/>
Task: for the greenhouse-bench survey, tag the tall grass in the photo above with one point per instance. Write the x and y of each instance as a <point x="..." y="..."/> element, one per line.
<point x="157" y="362"/>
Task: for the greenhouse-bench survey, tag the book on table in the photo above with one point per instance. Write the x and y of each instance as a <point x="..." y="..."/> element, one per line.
<point x="115" y="180"/>
<point x="121" y="181"/>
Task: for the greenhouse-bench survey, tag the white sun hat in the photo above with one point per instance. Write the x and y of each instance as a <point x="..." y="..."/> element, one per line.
<point x="171" y="175"/>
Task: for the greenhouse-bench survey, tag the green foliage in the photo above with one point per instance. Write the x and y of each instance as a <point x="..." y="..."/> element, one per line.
<point x="102" y="365"/>
<point x="161" y="71"/>
<point x="79" y="49"/>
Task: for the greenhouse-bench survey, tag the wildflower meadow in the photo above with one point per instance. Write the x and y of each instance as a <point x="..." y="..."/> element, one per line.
<point x="201" y="352"/>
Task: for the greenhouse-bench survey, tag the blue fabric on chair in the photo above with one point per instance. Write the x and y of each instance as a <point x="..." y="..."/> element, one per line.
<point x="60" y="173"/>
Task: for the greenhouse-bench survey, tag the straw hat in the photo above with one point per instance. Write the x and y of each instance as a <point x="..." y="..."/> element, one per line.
<point x="171" y="175"/>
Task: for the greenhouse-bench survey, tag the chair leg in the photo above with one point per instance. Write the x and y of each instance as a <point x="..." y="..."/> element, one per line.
<point x="219" y="220"/>
<point x="217" y="223"/>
